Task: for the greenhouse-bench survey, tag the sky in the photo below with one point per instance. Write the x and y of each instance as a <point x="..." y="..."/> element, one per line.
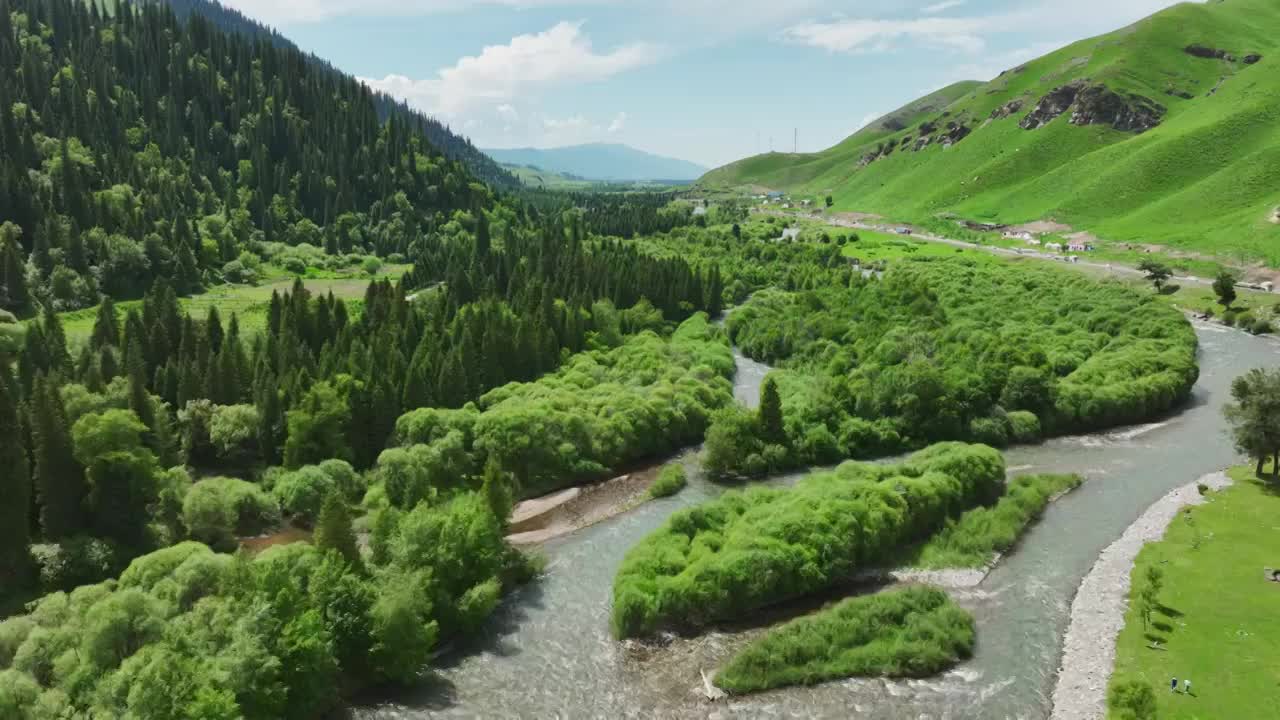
<point x="710" y="81"/>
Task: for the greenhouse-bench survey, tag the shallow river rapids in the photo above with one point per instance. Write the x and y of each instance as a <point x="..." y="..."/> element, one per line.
<point x="547" y="652"/>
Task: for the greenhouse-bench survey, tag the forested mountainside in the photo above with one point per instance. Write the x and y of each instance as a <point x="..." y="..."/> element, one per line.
<point x="136" y="147"/>
<point x="1162" y="132"/>
<point x="454" y="146"/>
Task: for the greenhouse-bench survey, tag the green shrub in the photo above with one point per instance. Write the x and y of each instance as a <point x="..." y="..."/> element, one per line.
<point x="1262" y="326"/>
<point x="979" y="534"/>
<point x="74" y="562"/>
<point x="989" y="431"/>
<point x="1024" y="427"/>
<point x="1229" y="317"/>
<point x="1131" y="700"/>
<point x="936" y="348"/>
<point x="302" y="492"/>
<point x="603" y="409"/>
<point x="750" y="549"/>
<point x="670" y="481"/>
<point x="915" y="632"/>
<point x="217" y="510"/>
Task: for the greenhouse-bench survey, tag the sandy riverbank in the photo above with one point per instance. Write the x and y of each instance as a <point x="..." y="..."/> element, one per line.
<point x="542" y="519"/>
<point x="1097" y="613"/>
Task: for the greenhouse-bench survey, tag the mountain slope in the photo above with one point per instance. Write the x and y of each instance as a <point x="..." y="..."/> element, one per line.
<point x="1163" y="132"/>
<point x="162" y="150"/>
<point x="601" y="161"/>
<point x="452" y="145"/>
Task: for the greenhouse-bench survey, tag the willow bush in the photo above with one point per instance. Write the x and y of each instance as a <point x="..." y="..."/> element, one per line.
<point x="976" y="537"/>
<point x="949" y="349"/>
<point x="749" y="549"/>
<point x="915" y="632"/>
<point x="603" y="409"/>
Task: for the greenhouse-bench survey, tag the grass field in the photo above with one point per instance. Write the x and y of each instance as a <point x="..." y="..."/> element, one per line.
<point x="1220" y="621"/>
<point x="248" y="302"/>
<point x="1204" y="181"/>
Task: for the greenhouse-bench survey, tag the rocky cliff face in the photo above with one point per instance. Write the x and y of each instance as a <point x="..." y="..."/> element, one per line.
<point x="1095" y="104"/>
<point x="1006" y="110"/>
<point x="1208" y="53"/>
<point x="1056" y="102"/>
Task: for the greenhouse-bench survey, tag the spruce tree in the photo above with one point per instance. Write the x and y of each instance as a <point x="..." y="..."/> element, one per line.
<point x="15" y="489"/>
<point x="334" y="531"/>
<point x="60" y="480"/>
<point x="772" y="429"/>
<point x="106" y="327"/>
<point x="55" y="340"/>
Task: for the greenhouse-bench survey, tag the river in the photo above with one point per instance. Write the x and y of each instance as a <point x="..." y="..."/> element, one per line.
<point x="547" y="653"/>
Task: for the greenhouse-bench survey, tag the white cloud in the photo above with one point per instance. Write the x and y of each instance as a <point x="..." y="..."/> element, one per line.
<point x="508" y="113"/>
<point x="575" y="123"/>
<point x="943" y="6"/>
<point x="857" y="35"/>
<point x="307" y="11"/>
<point x="527" y="66"/>
<point x="619" y="122"/>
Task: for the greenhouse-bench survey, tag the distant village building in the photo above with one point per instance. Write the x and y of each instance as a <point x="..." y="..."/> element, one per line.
<point x="1024" y="236"/>
<point x="1033" y="241"/>
<point x="1053" y="247"/>
<point x="1079" y="246"/>
<point x="790" y="234"/>
<point x="775" y="195"/>
<point x="700" y="211"/>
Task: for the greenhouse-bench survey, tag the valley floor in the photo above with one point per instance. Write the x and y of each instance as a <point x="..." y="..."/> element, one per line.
<point x="1216" y="622"/>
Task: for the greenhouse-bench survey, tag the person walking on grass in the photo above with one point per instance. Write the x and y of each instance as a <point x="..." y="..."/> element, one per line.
<point x="1173" y="685"/>
<point x="1186" y="686"/>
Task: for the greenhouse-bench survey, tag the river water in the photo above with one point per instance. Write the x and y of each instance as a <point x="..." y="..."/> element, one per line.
<point x="547" y="653"/>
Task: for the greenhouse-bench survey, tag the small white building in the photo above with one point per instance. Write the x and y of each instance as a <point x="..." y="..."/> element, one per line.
<point x="790" y="234"/>
<point x="1033" y="241"/>
<point x="1079" y="246"/>
<point x="700" y="211"/>
<point x="1024" y="236"/>
<point x="1053" y="247"/>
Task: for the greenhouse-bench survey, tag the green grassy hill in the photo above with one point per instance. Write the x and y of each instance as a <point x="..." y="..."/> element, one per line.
<point x="1204" y="178"/>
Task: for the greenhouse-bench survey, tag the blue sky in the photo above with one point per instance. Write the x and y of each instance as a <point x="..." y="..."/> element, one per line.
<point x="710" y="81"/>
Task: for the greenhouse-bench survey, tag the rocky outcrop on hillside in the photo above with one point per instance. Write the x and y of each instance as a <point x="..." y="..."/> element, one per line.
<point x="1006" y="109"/>
<point x="1208" y="53"/>
<point x="931" y="132"/>
<point x="1252" y="59"/>
<point x="954" y="134"/>
<point x="1095" y="104"/>
<point x="1056" y="102"/>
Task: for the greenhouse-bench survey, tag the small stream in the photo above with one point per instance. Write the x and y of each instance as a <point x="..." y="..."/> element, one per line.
<point x="547" y="653"/>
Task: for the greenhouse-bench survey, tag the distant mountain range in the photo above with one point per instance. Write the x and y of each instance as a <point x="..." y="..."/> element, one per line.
<point x="601" y="161"/>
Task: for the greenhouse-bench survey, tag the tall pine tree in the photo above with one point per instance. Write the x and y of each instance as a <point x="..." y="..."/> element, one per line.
<point x="60" y="480"/>
<point x="15" y="489"/>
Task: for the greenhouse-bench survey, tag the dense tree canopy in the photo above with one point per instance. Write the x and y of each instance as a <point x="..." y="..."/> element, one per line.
<point x="952" y="350"/>
<point x="750" y="549"/>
